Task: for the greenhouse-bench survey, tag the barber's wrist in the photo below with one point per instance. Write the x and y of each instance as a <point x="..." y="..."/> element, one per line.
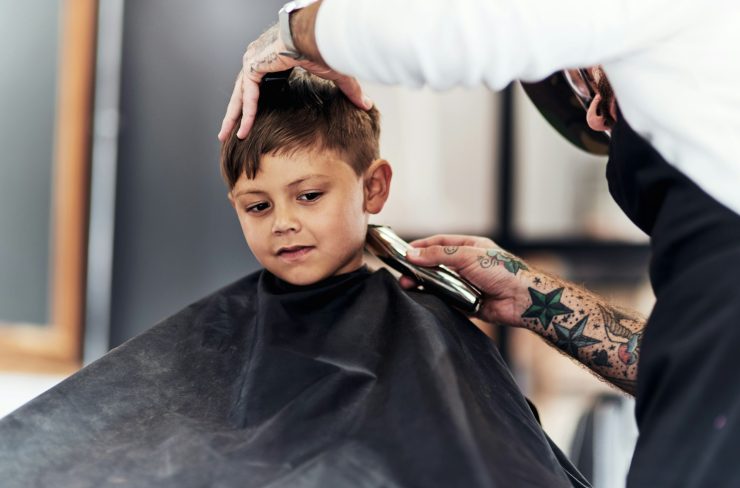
<point x="302" y="25"/>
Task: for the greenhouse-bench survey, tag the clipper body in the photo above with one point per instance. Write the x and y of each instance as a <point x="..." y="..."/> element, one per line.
<point x="439" y="280"/>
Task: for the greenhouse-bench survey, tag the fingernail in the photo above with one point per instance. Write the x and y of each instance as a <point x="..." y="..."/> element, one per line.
<point x="413" y="252"/>
<point x="368" y="103"/>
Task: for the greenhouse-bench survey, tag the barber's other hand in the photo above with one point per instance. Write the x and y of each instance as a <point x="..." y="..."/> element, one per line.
<point x="502" y="277"/>
<point x="262" y="57"/>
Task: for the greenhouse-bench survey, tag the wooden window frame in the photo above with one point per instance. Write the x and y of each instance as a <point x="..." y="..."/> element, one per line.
<point x="56" y="347"/>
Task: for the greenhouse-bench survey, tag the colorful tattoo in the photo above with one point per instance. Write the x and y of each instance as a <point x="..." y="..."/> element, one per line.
<point x="629" y="342"/>
<point x="628" y="353"/>
<point x="570" y="340"/>
<point x="545" y="306"/>
<point x="602" y="337"/>
<point x="496" y="256"/>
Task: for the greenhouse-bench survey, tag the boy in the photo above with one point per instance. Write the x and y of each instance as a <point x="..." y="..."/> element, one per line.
<point x="305" y="181"/>
<point x="313" y="372"/>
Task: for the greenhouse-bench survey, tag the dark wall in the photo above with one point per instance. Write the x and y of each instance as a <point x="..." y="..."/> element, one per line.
<point x="176" y="236"/>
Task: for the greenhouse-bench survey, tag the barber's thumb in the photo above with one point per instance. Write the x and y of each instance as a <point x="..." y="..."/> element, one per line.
<point x="427" y="256"/>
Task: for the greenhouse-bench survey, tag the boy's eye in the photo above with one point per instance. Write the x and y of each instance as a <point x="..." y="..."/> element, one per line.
<point x="310" y="196"/>
<point x="258" y="207"/>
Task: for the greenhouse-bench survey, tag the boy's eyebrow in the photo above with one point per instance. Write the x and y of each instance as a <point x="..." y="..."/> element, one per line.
<point x="304" y="178"/>
<point x="292" y="183"/>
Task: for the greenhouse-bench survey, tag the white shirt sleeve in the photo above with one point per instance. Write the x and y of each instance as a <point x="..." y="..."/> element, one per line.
<point x="674" y="64"/>
<point x="466" y="42"/>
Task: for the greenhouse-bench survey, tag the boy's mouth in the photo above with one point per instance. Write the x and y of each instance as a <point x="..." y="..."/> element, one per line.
<point x="293" y="253"/>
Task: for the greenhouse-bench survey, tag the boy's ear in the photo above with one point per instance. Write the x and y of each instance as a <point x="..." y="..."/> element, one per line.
<point x="231" y="199"/>
<point x="377" y="185"/>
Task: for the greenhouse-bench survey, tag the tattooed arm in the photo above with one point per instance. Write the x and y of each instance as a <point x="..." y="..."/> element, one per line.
<point x="603" y="337"/>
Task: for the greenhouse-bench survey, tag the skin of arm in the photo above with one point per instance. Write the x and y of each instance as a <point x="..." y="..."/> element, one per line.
<point x="603" y="337"/>
<point x="302" y="25"/>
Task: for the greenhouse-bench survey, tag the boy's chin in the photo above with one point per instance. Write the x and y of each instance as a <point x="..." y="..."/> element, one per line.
<point x="300" y="280"/>
<point x="299" y="277"/>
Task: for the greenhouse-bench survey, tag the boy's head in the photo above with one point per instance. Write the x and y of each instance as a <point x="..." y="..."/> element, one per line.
<point x="306" y="178"/>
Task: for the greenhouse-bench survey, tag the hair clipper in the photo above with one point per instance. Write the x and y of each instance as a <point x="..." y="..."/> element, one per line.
<point x="382" y="242"/>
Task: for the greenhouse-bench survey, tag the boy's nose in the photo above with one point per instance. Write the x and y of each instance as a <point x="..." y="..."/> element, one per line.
<point x="285" y="221"/>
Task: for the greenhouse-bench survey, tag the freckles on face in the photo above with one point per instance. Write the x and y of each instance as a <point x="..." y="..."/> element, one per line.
<point x="303" y="215"/>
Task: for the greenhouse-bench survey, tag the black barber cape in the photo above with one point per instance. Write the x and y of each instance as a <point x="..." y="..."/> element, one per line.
<point x="351" y="382"/>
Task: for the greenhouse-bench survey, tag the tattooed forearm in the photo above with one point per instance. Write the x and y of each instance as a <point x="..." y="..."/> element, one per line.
<point x="585" y="326"/>
<point x="625" y="384"/>
<point x="546" y="306"/>
<point x="571" y="340"/>
<point x="494" y="257"/>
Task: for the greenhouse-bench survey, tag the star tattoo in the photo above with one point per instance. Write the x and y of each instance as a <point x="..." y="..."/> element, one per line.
<point x="537" y="281"/>
<point x="570" y="340"/>
<point x="546" y="306"/>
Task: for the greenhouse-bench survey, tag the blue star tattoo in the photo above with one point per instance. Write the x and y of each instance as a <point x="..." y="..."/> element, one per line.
<point x="570" y="340"/>
<point x="545" y="306"/>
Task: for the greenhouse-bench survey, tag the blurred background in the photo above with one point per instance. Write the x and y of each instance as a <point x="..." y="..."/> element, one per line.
<point x="113" y="214"/>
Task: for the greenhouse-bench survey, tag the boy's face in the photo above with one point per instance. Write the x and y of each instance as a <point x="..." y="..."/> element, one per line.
<point x="304" y="216"/>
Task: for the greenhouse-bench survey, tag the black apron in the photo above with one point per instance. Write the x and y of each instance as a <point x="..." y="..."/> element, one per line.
<point x="688" y="384"/>
<point x="351" y="382"/>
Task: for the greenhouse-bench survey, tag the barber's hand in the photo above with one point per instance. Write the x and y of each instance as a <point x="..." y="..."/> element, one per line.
<point x="502" y="277"/>
<point x="262" y="57"/>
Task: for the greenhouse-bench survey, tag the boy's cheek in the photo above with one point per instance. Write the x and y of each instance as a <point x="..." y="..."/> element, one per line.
<point x="260" y="255"/>
<point x="255" y="244"/>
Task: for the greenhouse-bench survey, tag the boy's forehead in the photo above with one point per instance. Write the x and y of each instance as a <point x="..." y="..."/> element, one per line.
<point x="295" y="167"/>
<point x="253" y="184"/>
<point x="303" y="154"/>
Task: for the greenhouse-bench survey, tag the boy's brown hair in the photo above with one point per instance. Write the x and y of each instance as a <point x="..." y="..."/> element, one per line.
<point x="302" y="111"/>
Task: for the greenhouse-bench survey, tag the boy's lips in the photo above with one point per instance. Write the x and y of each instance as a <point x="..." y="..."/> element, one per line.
<point x="294" y="253"/>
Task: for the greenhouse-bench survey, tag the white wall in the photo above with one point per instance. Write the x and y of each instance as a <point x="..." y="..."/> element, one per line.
<point x="18" y="388"/>
<point x="443" y="149"/>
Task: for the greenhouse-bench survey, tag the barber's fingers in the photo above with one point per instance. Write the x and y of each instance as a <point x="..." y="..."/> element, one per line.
<point x="349" y="85"/>
<point x="233" y="110"/>
<point x="454" y="257"/>
<point x="353" y="90"/>
<point x="261" y="57"/>
<point x="250" y="97"/>
<point x="454" y="240"/>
